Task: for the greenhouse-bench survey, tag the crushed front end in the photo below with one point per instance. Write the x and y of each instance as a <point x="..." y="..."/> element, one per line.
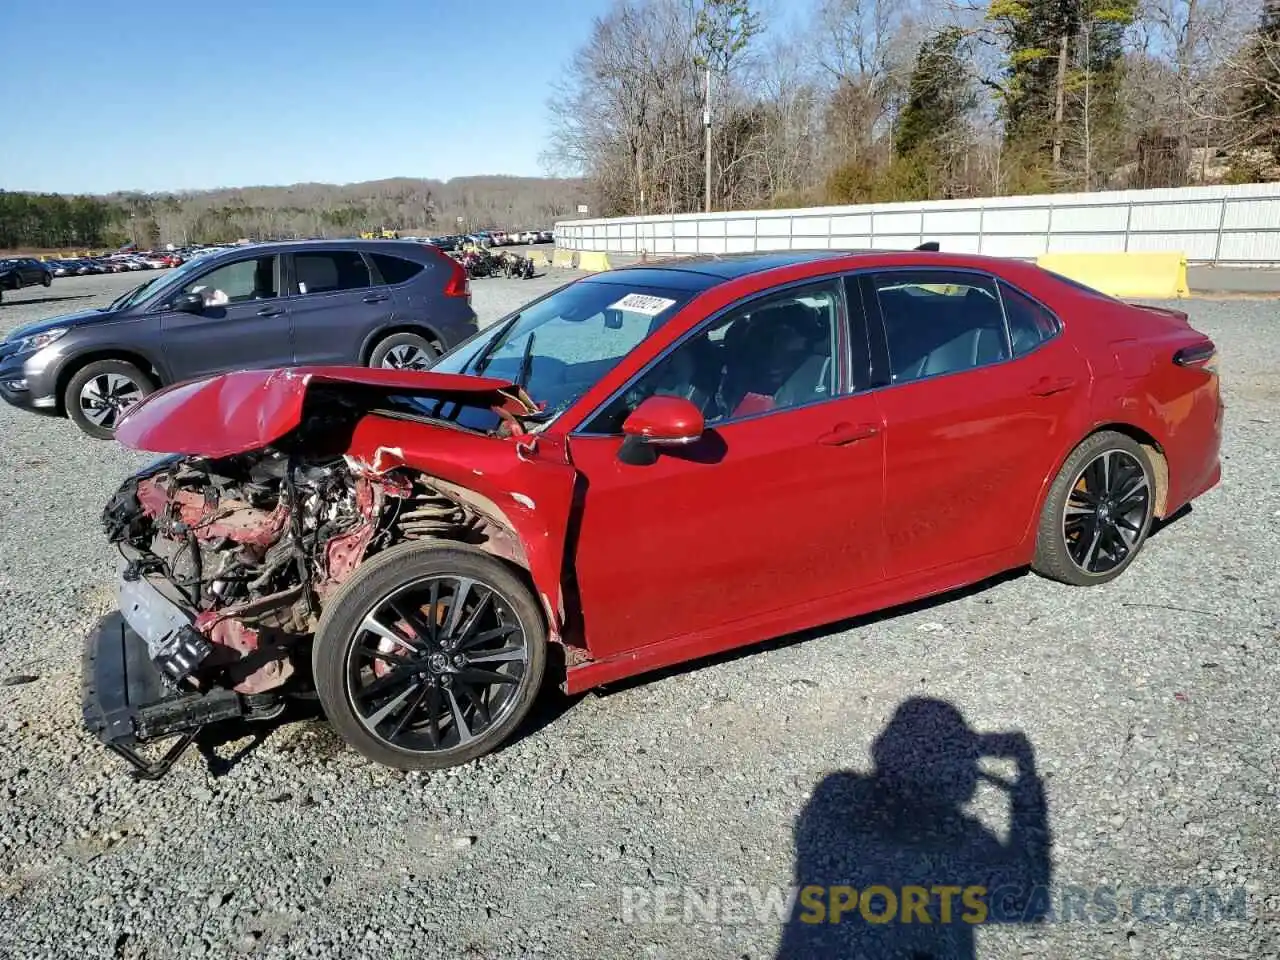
<point x="281" y="485"/>
<point x="225" y="564"/>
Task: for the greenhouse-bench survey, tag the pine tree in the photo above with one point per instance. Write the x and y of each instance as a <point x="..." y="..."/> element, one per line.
<point x="938" y="95"/>
<point x="1060" y="84"/>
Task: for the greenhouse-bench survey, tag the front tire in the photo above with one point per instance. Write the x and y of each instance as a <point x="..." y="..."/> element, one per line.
<point x="429" y="656"/>
<point x="1098" y="513"/>
<point x="47" y="280"/>
<point x="404" y="351"/>
<point x="99" y="393"/>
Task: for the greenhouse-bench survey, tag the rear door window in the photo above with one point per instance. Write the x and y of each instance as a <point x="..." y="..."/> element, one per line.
<point x="938" y="322"/>
<point x="395" y="270"/>
<point x="1030" y="324"/>
<point x="329" y="271"/>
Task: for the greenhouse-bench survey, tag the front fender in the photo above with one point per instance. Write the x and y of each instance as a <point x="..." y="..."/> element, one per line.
<point x="524" y="484"/>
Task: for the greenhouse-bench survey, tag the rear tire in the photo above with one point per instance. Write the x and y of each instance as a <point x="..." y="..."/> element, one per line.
<point x="47" y="280"/>
<point x="442" y="710"/>
<point x="1098" y="513"/>
<point x="404" y="351"/>
<point x="100" y="392"/>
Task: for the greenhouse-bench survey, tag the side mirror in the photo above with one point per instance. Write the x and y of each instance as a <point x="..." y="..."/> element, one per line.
<point x="188" y="303"/>
<point x="659" y="421"/>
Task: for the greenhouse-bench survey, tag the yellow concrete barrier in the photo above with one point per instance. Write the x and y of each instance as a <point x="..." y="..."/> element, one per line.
<point x="593" y="260"/>
<point x="539" y="258"/>
<point x="562" y="258"/>
<point x="1147" y="276"/>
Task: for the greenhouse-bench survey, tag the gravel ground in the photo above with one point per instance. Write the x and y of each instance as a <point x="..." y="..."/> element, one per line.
<point x="1149" y="704"/>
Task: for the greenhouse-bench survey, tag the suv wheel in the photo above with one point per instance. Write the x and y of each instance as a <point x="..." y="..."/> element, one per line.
<point x="100" y="392"/>
<point x="405" y="351"/>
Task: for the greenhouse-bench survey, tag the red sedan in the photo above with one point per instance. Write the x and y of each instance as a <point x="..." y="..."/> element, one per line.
<point x="643" y="467"/>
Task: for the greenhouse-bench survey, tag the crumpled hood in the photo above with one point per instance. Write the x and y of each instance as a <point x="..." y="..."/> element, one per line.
<point x="249" y="409"/>
<point x="78" y="319"/>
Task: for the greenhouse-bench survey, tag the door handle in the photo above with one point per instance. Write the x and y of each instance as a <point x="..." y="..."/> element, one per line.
<point x="843" y="433"/>
<point x="1048" y="386"/>
<point x="375" y="298"/>
<point x="270" y="311"/>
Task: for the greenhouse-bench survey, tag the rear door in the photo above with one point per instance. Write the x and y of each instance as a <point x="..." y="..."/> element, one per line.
<point x="335" y="303"/>
<point x="975" y="418"/>
<point x="245" y="324"/>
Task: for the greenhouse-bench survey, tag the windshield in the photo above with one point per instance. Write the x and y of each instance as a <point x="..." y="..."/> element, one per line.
<point x="138" y="294"/>
<point x="559" y="347"/>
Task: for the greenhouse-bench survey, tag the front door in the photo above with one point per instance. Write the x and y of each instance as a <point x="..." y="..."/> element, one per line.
<point x="244" y="324"/>
<point x="779" y="504"/>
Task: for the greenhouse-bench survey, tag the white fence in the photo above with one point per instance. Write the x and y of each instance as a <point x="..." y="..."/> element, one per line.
<point x="1227" y="225"/>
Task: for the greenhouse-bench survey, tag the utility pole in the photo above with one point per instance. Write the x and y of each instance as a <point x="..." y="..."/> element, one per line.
<point x="706" y="122"/>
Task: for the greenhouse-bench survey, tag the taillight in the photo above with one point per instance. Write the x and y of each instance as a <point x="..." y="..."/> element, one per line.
<point x="1202" y="356"/>
<point x="458" y="284"/>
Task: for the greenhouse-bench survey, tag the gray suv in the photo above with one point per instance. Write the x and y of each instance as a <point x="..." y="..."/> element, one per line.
<point x="379" y="303"/>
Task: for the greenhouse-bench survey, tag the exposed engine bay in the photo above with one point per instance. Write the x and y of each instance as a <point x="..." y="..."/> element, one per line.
<point x="228" y="562"/>
<point x="236" y="546"/>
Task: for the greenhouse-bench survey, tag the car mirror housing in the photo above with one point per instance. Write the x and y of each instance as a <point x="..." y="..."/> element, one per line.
<point x="188" y="303"/>
<point x="660" y="421"/>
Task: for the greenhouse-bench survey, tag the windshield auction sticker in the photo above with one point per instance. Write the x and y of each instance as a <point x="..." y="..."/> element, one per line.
<point x="642" y="303"/>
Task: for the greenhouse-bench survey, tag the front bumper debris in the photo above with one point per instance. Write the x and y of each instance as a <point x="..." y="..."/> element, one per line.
<point x="173" y="643"/>
<point x="127" y="702"/>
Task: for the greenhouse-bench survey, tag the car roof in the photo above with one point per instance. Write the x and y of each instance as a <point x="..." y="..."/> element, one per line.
<point x="415" y="247"/>
<point x="730" y="266"/>
<point x="720" y="268"/>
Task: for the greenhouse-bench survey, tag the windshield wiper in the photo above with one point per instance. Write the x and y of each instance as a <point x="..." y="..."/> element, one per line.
<point x="526" y="361"/>
<point x="481" y="360"/>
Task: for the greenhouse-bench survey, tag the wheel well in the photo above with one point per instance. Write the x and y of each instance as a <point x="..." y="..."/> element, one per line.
<point x="80" y="362"/>
<point x="1159" y="463"/>
<point x="421" y="329"/>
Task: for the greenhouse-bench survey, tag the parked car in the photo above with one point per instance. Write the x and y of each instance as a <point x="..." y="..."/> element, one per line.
<point x="19" y="272"/>
<point x="645" y="466"/>
<point x="381" y="303"/>
<point x="546" y="236"/>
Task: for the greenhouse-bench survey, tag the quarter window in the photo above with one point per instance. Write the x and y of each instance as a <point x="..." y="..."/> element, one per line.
<point x="1029" y="323"/>
<point x="772" y="354"/>
<point x="394" y="270"/>
<point x="329" y="271"/>
<point x="238" y="282"/>
<point x="937" y="322"/>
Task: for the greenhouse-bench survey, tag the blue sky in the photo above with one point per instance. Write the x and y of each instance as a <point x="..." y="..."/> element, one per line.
<point x="162" y="96"/>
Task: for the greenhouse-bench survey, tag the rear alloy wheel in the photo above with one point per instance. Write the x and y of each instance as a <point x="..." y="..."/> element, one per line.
<point x="1098" y="513"/>
<point x="47" y="280"/>
<point x="404" y="351"/>
<point x="429" y="656"/>
<point x="100" y="393"/>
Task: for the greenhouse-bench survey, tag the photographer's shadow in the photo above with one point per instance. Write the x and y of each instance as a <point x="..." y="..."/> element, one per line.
<point x="903" y="829"/>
